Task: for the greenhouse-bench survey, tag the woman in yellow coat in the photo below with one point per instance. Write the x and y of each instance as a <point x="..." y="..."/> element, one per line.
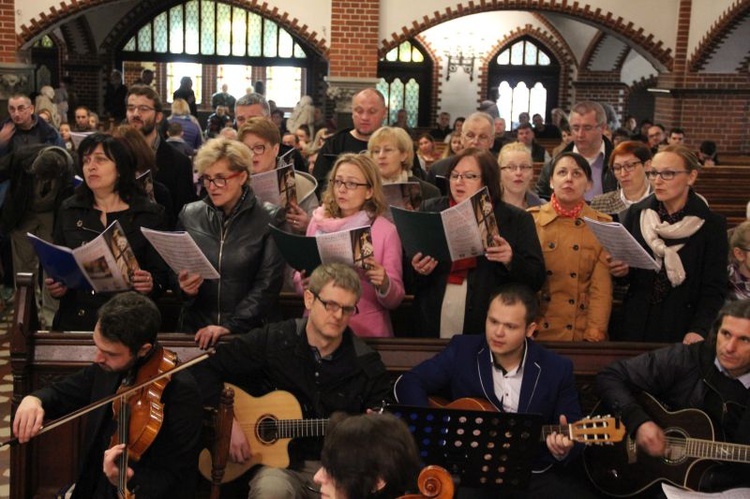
<point x="576" y="298"/>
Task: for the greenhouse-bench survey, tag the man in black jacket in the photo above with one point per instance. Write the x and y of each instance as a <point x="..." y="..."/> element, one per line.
<point x="125" y="339"/>
<point x="174" y="169"/>
<point x="712" y="376"/>
<point x="317" y="359"/>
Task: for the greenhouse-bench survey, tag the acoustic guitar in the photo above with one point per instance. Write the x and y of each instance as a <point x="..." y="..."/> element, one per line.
<point x="624" y="470"/>
<point x="596" y="430"/>
<point x="269" y="422"/>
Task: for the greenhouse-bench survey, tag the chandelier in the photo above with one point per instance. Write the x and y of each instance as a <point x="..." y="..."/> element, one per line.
<point x="462" y="57"/>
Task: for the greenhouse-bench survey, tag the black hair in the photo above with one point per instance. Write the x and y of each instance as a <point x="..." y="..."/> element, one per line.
<point x="131" y="319"/>
<point x="117" y="150"/>
<point x="487" y="165"/>
<point x="580" y="161"/>
<point x="512" y="293"/>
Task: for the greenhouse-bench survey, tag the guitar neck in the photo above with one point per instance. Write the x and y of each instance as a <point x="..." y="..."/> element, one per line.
<point x="549" y="429"/>
<point x="718" y="451"/>
<point x="300" y="428"/>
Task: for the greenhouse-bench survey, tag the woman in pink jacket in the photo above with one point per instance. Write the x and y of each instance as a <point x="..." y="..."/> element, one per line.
<point x="354" y="198"/>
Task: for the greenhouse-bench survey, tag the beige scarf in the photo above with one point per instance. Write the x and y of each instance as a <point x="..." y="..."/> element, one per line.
<point x="655" y="231"/>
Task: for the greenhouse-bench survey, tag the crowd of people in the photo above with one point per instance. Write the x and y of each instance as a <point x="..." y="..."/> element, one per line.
<point x="543" y="277"/>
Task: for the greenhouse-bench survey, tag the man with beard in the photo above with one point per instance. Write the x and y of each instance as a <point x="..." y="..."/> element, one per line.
<point x="125" y="340"/>
<point x="174" y="170"/>
<point x="368" y="113"/>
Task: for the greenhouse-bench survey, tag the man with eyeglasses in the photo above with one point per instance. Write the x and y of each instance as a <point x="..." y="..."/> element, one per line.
<point x="712" y="376"/>
<point x="24" y="128"/>
<point x="478" y="131"/>
<point x="368" y="113"/>
<point x="587" y="121"/>
<point x="254" y="105"/>
<point x="317" y="359"/>
<point x="174" y="169"/>
<point x="656" y="138"/>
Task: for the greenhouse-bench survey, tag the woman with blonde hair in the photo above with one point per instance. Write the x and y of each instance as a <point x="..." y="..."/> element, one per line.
<point x="230" y="226"/>
<point x="454" y="147"/>
<point x="516" y="172"/>
<point x="393" y="151"/>
<point x="191" y="129"/>
<point x="680" y="301"/>
<point x="739" y="263"/>
<point x="354" y="198"/>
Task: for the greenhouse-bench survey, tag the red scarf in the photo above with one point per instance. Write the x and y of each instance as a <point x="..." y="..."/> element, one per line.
<point x="460" y="268"/>
<point x="562" y="212"/>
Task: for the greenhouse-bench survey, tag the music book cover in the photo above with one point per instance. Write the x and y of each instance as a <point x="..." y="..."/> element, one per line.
<point x="105" y="264"/>
<point x="462" y="231"/>
<point x="146" y="181"/>
<point x="404" y="195"/>
<point x="351" y="247"/>
<point x="277" y="186"/>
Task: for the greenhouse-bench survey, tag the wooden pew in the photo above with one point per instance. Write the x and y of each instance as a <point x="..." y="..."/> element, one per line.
<point x="38" y="357"/>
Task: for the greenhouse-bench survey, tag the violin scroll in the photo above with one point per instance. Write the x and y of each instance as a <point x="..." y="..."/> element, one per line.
<point x="434" y="482"/>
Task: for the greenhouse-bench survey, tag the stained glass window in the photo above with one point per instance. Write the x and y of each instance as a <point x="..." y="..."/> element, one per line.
<point x="223" y="28"/>
<point x="239" y="31"/>
<point x="523" y="52"/>
<point x="45" y="42"/>
<point x="208" y="27"/>
<point x="160" y="33"/>
<point x="192" y="27"/>
<point x="405" y="52"/>
<point x="411" y="102"/>
<point x="284" y="85"/>
<point x="400" y="96"/>
<point x="176" y="30"/>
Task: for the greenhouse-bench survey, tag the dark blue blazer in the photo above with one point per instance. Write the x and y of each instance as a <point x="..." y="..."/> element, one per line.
<point x="464" y="369"/>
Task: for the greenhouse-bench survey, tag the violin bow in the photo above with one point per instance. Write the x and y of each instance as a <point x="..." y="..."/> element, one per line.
<point x="100" y="403"/>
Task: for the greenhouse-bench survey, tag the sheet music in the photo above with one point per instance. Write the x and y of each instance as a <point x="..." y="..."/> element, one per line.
<point x="621" y="244"/>
<point x="180" y="252"/>
<point x="673" y="492"/>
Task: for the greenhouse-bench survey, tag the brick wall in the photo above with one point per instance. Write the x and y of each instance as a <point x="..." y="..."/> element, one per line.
<point x="601" y="86"/>
<point x="8" y="39"/>
<point x="354" y="38"/>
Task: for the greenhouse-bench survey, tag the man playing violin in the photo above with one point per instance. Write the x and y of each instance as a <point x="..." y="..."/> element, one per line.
<point x="317" y="359"/>
<point x="712" y="376"/>
<point x="125" y="339"/>
<point x="514" y="374"/>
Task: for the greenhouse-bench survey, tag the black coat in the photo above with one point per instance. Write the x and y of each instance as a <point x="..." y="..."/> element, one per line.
<point x="693" y="305"/>
<point x="168" y="468"/>
<point x="278" y="357"/>
<point x="78" y="223"/>
<point x="175" y="171"/>
<point x="245" y="255"/>
<point x="527" y="267"/>
<point x="609" y="182"/>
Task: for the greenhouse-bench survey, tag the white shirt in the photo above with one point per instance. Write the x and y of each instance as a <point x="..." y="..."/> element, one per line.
<point x="508" y="385"/>
<point x="744" y="379"/>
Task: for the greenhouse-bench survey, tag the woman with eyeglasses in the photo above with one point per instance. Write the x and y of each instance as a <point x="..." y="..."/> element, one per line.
<point x="230" y="226"/>
<point x="629" y="162"/>
<point x="393" y="151"/>
<point x="516" y="172"/>
<point x="262" y="137"/>
<point x="452" y="297"/>
<point x="689" y="243"/>
<point x="576" y="299"/>
<point x="354" y="198"/>
<point x="739" y="263"/>
<point x="109" y="192"/>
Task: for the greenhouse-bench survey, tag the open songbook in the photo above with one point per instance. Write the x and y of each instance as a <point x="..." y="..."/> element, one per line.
<point x="105" y="264"/>
<point x="180" y="252"/>
<point x="462" y="231"/>
<point x="621" y="244"/>
<point x="404" y="195"/>
<point x="351" y="247"/>
<point x="277" y="186"/>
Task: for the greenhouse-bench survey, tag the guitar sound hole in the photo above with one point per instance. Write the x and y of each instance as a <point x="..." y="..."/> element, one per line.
<point x="267" y="430"/>
<point x="676" y="453"/>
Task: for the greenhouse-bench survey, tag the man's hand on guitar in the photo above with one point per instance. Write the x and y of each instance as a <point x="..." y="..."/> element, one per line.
<point x="239" y="448"/>
<point x="558" y="444"/>
<point x="651" y="439"/>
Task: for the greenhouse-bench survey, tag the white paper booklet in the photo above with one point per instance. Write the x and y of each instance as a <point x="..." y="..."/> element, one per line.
<point x="180" y="252"/>
<point x="621" y="244"/>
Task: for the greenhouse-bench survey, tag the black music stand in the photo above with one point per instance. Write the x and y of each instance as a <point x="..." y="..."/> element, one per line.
<point x="480" y="449"/>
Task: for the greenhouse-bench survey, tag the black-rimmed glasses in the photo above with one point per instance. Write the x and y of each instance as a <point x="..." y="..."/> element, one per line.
<point x="349" y="185"/>
<point x="333" y="307"/>
<point x="217" y="181"/>
<point x="665" y="175"/>
<point x="627" y="167"/>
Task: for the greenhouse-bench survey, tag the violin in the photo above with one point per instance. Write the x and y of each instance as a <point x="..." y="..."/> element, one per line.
<point x="139" y="413"/>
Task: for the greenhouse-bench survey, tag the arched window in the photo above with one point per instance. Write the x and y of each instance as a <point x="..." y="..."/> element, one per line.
<point x="222" y="43"/>
<point x="44" y="55"/>
<point x="524" y="77"/>
<point x="406" y="83"/>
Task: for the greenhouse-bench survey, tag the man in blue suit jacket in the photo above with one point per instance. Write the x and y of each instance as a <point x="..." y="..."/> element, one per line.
<point x="507" y="368"/>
